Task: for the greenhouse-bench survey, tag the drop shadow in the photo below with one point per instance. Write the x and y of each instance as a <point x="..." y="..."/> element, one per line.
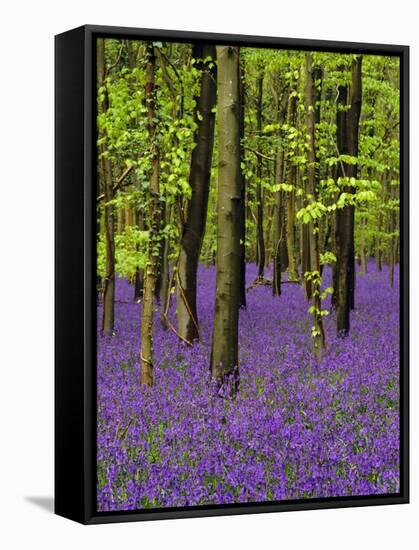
<point x="46" y="503"/>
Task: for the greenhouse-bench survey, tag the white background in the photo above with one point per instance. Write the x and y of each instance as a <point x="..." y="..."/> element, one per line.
<point x="26" y="259"/>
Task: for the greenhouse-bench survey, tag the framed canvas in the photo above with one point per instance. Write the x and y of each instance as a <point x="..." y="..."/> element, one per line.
<point x="232" y="282"/>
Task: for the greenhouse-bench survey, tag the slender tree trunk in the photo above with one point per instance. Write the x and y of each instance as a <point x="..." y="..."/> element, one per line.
<point x="224" y="352"/>
<point x="242" y="281"/>
<point x="354" y="115"/>
<point x="147" y="371"/>
<point x="393" y="240"/>
<point x="306" y="259"/>
<point x="268" y="231"/>
<point x="194" y="226"/>
<point x="378" y="252"/>
<point x="99" y="224"/>
<point x="139" y="273"/>
<point x="259" y="192"/>
<point x="109" y="286"/>
<point x="347" y="142"/>
<point x="312" y="97"/>
<point x="276" y="280"/>
<point x="283" y="249"/>
<point x="120" y="221"/>
<point x="362" y="254"/>
<point x="134" y="215"/>
<point x="326" y="241"/>
<point x="279" y="229"/>
<point x="292" y="180"/>
<point x="343" y="224"/>
<point x="164" y="267"/>
<point x="306" y="251"/>
<point x="106" y="169"/>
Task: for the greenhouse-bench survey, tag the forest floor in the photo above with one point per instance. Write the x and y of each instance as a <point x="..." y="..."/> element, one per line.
<point x="297" y="429"/>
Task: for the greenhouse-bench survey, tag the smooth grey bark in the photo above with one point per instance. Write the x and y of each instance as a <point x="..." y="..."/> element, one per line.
<point x="224" y="352"/>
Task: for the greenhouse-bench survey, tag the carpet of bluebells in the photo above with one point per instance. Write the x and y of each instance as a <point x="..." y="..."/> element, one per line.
<point x="297" y="428"/>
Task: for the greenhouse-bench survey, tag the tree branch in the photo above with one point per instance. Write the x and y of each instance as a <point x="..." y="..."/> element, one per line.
<point x="118" y="182"/>
<point x="261" y="155"/>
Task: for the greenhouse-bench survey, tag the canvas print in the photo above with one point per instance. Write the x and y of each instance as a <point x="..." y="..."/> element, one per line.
<point x="248" y="296"/>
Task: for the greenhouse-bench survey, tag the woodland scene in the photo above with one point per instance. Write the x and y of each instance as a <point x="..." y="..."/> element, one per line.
<point x="248" y="251"/>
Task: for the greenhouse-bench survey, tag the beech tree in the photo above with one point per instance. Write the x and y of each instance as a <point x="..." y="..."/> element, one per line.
<point x="146" y="355"/>
<point x="196" y="211"/>
<point x="108" y="218"/>
<point x="260" y="250"/>
<point x="224" y="350"/>
<point x="347" y="143"/>
<point x="312" y="98"/>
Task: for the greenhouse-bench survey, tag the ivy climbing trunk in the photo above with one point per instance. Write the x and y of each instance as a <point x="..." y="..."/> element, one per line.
<point x="224" y="352"/>
<point x="106" y="172"/>
<point x="146" y="356"/>
<point x="200" y="173"/>
<point x="312" y="100"/>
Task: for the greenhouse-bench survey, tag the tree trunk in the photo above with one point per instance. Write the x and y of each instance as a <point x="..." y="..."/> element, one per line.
<point x="194" y="226"/>
<point x="147" y="374"/>
<point x="378" y="253"/>
<point x="106" y="169"/>
<point x="306" y="259"/>
<point x="393" y="239"/>
<point x="120" y="221"/>
<point x="312" y="98"/>
<point x="292" y="180"/>
<point x="347" y="143"/>
<point x="164" y="267"/>
<point x="279" y="226"/>
<point x="139" y="273"/>
<point x="242" y="280"/>
<point x="276" y="280"/>
<point x="354" y="115"/>
<point x="326" y="241"/>
<point x="362" y="254"/>
<point x="224" y="352"/>
<point x="260" y="255"/>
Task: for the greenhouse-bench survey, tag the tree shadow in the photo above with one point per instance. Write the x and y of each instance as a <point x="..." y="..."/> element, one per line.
<point x="46" y="503"/>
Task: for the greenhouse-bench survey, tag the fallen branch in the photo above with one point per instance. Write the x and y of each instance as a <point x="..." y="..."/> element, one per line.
<point x="268" y="282"/>
<point x="166" y="317"/>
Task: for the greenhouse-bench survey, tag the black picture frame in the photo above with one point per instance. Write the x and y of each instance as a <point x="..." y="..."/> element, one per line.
<point x="75" y="284"/>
